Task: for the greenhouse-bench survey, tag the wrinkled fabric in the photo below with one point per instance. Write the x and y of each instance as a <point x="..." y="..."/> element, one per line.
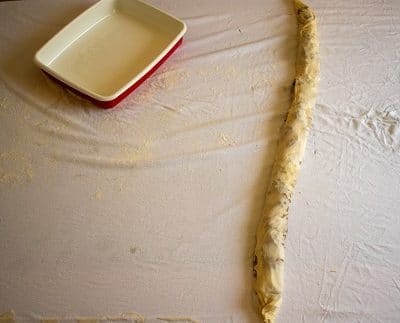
<point x="152" y="207"/>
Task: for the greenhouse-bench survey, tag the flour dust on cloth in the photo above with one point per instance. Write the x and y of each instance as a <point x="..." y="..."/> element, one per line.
<point x="153" y="206"/>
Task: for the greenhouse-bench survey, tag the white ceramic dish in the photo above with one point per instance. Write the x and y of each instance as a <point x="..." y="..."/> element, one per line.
<point x="110" y="49"/>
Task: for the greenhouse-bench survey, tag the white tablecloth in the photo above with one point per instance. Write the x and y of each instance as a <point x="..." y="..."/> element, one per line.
<point x="152" y="206"/>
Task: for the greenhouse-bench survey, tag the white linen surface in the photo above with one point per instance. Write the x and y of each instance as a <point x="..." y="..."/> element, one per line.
<point x="152" y="206"/>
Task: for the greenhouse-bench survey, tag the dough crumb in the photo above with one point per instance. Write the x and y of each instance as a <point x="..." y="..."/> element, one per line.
<point x="15" y="168"/>
<point x="98" y="195"/>
<point x="133" y="316"/>
<point x="88" y="320"/>
<point x="169" y="79"/>
<point x="131" y="155"/>
<point x="226" y="140"/>
<point x="177" y="319"/>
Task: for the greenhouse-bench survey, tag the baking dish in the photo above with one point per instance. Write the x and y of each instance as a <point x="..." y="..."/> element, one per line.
<point x="110" y="49"/>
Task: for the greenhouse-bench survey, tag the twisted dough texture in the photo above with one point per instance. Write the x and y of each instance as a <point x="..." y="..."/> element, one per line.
<point x="272" y="229"/>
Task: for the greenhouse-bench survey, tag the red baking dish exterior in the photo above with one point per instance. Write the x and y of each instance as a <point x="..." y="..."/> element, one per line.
<point x="112" y="103"/>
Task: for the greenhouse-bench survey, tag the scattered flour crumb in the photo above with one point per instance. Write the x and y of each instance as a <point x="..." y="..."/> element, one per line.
<point x="98" y="194"/>
<point x="131" y="155"/>
<point x="232" y="72"/>
<point x="3" y="104"/>
<point x="226" y="140"/>
<point x="133" y="316"/>
<point x="169" y="79"/>
<point x="15" y="168"/>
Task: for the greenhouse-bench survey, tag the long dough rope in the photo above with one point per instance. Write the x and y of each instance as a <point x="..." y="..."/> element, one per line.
<point x="272" y="229"/>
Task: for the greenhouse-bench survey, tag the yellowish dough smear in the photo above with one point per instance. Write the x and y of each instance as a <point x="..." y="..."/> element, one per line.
<point x="87" y="320"/>
<point x="8" y="317"/>
<point x="178" y="319"/>
<point x="134" y="317"/>
<point x="272" y="229"/>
